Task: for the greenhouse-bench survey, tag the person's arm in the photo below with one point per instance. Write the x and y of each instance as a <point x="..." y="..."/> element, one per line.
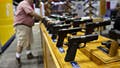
<point x="29" y="10"/>
<point x="35" y="15"/>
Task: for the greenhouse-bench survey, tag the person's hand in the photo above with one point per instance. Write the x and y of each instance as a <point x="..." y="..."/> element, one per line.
<point x="40" y="17"/>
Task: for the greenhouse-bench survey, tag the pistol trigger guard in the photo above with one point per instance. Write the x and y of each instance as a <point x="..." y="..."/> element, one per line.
<point x="83" y="45"/>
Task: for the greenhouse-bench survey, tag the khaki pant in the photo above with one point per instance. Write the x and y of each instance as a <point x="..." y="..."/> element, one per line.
<point x="24" y="37"/>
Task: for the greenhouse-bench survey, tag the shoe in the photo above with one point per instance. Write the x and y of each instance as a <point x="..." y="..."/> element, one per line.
<point x="30" y="56"/>
<point x="18" y="61"/>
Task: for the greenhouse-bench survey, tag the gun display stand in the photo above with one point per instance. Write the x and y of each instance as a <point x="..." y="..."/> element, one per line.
<point x="89" y="9"/>
<point x="99" y="56"/>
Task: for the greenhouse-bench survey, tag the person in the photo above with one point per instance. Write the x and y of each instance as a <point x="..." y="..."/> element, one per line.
<point x="68" y="7"/>
<point x="24" y="20"/>
<point x="117" y="20"/>
<point x="42" y="9"/>
<point x="47" y="7"/>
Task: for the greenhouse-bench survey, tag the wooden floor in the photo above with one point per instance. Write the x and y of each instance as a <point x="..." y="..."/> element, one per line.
<point x="7" y="59"/>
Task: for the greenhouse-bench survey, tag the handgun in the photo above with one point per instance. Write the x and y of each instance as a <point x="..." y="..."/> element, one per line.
<point x="77" y="22"/>
<point x="57" y="27"/>
<point x="73" y="43"/>
<point x="50" y="26"/>
<point x="115" y="34"/>
<point x="62" y="33"/>
<point x="91" y="26"/>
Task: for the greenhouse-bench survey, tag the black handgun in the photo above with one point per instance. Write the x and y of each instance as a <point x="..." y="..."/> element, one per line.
<point x="91" y="26"/>
<point x="73" y="43"/>
<point x="57" y="27"/>
<point x="68" y="20"/>
<point x="77" y="22"/>
<point x="55" y="16"/>
<point x="50" y="26"/>
<point x="62" y="18"/>
<point x="104" y="23"/>
<point x="107" y="43"/>
<point x="115" y="34"/>
<point x="62" y="33"/>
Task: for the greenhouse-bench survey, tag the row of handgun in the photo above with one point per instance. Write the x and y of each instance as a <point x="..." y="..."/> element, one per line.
<point x="70" y="25"/>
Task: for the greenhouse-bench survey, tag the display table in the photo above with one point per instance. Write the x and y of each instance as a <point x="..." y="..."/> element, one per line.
<point x="88" y="57"/>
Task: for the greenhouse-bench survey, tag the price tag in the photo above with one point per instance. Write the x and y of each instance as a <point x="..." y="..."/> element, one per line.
<point x="61" y="49"/>
<point x="54" y="40"/>
<point x="74" y="64"/>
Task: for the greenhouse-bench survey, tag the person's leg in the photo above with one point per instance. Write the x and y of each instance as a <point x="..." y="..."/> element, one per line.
<point x="30" y="41"/>
<point x="21" y="40"/>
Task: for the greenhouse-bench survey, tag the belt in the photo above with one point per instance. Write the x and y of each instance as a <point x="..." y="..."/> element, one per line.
<point x="22" y="24"/>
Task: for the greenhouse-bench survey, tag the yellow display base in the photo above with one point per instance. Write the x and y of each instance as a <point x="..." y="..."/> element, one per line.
<point x="102" y="57"/>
